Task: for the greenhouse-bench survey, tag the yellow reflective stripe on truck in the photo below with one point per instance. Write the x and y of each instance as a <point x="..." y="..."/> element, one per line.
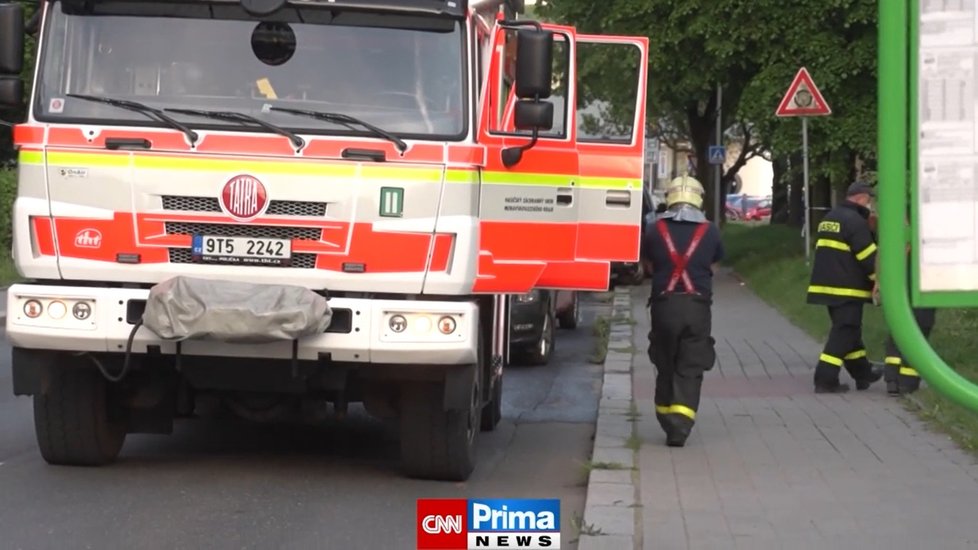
<point x="312" y="167"/>
<point x="308" y="167"/>
<point x="558" y="180"/>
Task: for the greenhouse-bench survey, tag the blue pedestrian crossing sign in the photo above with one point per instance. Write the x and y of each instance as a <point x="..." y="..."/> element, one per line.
<point x="717" y="154"/>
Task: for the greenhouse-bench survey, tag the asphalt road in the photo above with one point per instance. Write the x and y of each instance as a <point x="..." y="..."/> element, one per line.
<point x="224" y="484"/>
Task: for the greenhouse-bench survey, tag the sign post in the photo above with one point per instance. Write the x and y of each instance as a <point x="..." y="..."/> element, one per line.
<point x="804" y="100"/>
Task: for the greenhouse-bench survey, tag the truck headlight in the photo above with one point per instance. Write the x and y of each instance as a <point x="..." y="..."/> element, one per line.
<point x="81" y="311"/>
<point x="57" y="309"/>
<point x="446" y="325"/>
<point x="397" y="323"/>
<point x="33" y="309"/>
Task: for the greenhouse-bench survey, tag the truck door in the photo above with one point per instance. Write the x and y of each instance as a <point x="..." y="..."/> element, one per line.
<point x="528" y="212"/>
<point x="612" y="73"/>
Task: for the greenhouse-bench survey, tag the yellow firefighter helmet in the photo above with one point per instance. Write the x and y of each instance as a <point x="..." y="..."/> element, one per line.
<point x="685" y="189"/>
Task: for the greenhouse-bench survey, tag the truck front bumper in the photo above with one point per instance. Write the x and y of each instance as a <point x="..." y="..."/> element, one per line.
<point x="99" y="319"/>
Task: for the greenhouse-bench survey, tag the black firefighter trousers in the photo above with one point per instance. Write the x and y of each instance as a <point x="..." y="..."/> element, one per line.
<point x="901" y="377"/>
<point x="681" y="347"/>
<point x="844" y="347"/>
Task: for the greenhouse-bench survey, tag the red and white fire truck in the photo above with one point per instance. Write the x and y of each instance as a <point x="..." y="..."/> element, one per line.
<point x="288" y="206"/>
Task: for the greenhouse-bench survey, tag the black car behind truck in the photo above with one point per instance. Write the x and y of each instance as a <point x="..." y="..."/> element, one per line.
<point x="533" y="320"/>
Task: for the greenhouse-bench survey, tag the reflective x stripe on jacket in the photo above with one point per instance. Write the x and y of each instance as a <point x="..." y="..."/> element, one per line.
<point x="680" y="262"/>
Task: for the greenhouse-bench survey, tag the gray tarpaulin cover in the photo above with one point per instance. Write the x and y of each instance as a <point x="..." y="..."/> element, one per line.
<point x="186" y="308"/>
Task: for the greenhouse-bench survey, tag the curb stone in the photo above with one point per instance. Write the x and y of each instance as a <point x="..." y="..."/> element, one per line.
<point x="611" y="506"/>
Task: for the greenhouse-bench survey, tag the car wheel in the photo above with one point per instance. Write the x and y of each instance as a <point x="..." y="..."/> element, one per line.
<point x="570" y="318"/>
<point x="635" y="276"/>
<point x="540" y="353"/>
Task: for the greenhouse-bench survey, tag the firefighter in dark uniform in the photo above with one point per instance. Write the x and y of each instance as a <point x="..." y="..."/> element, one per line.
<point x="898" y="375"/>
<point x="843" y="278"/>
<point x="680" y="251"/>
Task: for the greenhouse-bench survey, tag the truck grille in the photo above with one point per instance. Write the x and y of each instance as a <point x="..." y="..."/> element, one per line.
<point x="275" y="208"/>
<point x="244" y="230"/>
<point x="299" y="261"/>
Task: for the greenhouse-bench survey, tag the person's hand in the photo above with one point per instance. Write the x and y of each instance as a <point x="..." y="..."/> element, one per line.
<point x="876" y="292"/>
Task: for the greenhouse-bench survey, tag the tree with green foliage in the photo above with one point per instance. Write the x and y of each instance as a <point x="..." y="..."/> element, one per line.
<point x="752" y="49"/>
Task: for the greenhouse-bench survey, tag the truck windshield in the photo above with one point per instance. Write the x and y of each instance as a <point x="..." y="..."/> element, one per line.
<point x="400" y="73"/>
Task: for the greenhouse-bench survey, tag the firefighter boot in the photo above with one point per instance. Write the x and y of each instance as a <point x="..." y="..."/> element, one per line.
<point x="891" y="375"/>
<point x="909" y="380"/>
<point x="875" y="373"/>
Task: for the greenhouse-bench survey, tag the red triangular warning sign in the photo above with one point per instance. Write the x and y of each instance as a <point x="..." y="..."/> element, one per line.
<point x="803" y="98"/>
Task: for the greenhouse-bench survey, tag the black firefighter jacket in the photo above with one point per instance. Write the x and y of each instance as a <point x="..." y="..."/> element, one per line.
<point x="845" y="257"/>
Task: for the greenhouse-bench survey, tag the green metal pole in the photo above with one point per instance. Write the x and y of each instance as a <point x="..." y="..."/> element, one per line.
<point x="893" y="146"/>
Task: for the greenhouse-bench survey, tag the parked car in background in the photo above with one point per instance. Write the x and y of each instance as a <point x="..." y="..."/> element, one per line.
<point x="533" y="320"/>
<point x="734" y="206"/>
<point x="758" y="210"/>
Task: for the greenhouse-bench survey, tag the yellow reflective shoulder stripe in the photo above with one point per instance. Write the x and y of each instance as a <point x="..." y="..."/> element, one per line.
<point x="832" y="243"/>
<point x="858" y="354"/>
<point x="866" y="252"/>
<point x="826" y="358"/>
<point x="837" y="291"/>
<point x="676" y="409"/>
<point x="907" y="371"/>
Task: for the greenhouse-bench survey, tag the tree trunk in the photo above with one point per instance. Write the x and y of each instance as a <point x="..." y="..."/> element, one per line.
<point x="796" y="207"/>
<point x="700" y="129"/>
<point x="821" y="195"/>
<point x="779" y="190"/>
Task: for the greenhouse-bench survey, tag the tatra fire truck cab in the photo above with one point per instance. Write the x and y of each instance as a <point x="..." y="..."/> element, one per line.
<point x="285" y="206"/>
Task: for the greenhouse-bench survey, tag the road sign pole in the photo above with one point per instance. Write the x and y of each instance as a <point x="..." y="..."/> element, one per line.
<point x="804" y="100"/>
<point x="808" y="210"/>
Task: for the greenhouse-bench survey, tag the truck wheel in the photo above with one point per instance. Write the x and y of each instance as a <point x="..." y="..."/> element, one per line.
<point x="570" y="318"/>
<point x="492" y="413"/>
<point x="77" y="421"/>
<point x="435" y="443"/>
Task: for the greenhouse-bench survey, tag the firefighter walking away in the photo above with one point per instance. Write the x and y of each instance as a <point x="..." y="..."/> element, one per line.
<point x="843" y="277"/>
<point x="680" y="251"/>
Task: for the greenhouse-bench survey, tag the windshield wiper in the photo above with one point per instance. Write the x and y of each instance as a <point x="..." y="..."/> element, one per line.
<point x="150" y="112"/>
<point x="338" y="118"/>
<point x="243" y="118"/>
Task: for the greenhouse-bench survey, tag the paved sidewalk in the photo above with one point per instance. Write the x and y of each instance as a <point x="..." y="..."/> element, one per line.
<point x="772" y="465"/>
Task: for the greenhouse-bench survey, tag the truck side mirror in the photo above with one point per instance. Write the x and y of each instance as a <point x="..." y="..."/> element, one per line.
<point x="534" y="115"/>
<point x="11" y="38"/>
<point x="11" y="91"/>
<point x="534" y="76"/>
<point x="534" y="63"/>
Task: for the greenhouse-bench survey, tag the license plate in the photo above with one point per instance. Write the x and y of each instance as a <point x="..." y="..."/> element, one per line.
<point x="241" y="250"/>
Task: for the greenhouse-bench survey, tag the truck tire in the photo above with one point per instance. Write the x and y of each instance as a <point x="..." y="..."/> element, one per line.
<point x="492" y="413"/>
<point x="435" y="443"/>
<point x="76" y="420"/>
